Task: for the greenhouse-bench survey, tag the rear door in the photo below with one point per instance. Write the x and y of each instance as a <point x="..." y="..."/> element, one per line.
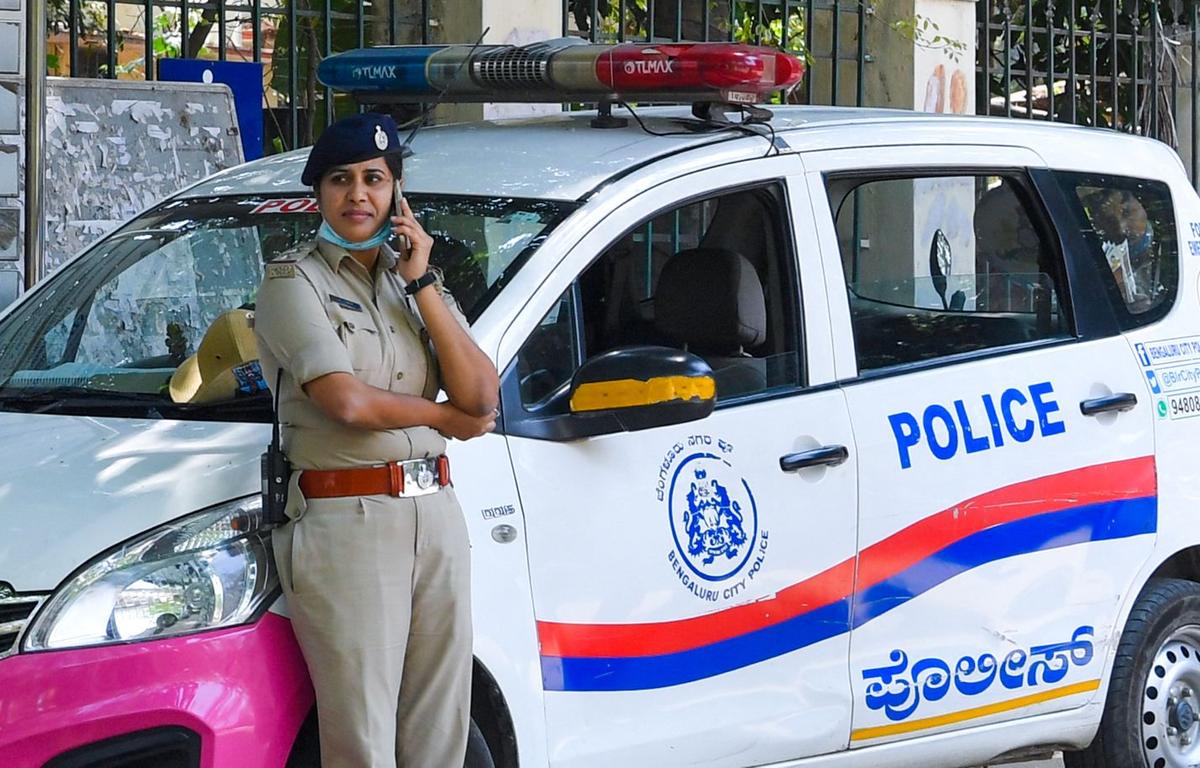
<point x="691" y="594"/>
<point x="1008" y="487"/>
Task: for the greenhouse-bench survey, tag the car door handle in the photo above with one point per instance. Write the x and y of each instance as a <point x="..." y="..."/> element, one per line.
<point x="1119" y="401"/>
<point x="825" y="456"/>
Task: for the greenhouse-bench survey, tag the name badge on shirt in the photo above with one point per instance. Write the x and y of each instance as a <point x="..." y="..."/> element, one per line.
<point x="353" y="306"/>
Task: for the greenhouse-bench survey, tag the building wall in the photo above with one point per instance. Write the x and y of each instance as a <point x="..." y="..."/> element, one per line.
<point x="12" y="53"/>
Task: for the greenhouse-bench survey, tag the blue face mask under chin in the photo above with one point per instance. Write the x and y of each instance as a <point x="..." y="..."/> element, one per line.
<point x="379" y="238"/>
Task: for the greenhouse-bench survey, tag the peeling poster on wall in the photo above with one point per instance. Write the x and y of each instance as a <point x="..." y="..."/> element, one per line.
<point x="115" y="148"/>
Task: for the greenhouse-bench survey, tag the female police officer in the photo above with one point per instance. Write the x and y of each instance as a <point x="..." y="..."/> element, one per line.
<point x="375" y="562"/>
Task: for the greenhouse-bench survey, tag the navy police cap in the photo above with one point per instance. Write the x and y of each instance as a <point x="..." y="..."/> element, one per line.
<point x="352" y="140"/>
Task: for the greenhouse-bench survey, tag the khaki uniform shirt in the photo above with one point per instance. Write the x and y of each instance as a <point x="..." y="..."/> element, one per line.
<point x="318" y="312"/>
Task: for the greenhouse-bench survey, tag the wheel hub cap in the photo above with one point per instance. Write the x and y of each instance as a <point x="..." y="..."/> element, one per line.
<point x="1182" y="716"/>
<point x="1171" y="703"/>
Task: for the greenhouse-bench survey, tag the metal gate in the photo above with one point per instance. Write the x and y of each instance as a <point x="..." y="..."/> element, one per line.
<point x="1119" y="64"/>
<point x="125" y="38"/>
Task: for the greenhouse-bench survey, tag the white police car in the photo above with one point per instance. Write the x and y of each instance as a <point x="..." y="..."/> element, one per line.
<point x="943" y="513"/>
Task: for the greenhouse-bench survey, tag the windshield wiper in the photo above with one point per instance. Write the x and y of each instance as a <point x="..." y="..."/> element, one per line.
<point x="51" y="399"/>
<point x="105" y="402"/>
<point x="237" y="409"/>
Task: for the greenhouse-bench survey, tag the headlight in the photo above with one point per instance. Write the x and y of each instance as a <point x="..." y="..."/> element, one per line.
<point x="208" y="570"/>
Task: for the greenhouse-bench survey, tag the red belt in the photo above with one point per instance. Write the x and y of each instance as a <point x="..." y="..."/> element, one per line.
<point x="415" y="477"/>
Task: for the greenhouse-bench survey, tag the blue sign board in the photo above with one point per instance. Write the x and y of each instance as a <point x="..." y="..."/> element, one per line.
<point x="244" y="78"/>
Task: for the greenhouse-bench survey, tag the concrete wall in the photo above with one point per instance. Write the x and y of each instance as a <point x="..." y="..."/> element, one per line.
<point x="507" y="23"/>
<point x="913" y="72"/>
<point x="918" y="74"/>
<point x="1185" y="99"/>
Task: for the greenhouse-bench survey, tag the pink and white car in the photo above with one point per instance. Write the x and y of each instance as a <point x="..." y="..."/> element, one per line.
<point x="837" y="438"/>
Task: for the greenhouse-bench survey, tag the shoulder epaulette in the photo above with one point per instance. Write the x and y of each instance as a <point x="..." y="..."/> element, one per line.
<point x="293" y="254"/>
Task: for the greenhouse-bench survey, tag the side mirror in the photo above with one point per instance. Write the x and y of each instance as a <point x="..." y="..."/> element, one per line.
<point x="643" y="387"/>
<point x="939" y="264"/>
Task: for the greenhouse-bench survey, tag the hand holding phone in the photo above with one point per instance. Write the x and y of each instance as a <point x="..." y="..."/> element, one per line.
<point x="400" y="244"/>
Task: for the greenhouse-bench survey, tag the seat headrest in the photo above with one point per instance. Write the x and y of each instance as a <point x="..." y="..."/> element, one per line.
<point x="711" y="300"/>
<point x="463" y="273"/>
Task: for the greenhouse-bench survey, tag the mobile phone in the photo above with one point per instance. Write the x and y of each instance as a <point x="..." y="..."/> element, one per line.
<point x="400" y="244"/>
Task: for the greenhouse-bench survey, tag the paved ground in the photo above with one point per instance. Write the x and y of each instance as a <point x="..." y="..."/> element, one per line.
<point x="1055" y="763"/>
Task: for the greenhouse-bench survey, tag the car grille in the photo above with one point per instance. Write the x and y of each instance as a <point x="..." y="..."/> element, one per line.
<point x="14" y="614"/>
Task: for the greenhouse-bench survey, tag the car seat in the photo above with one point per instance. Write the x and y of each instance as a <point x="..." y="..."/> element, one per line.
<point x="464" y="275"/>
<point x="710" y="301"/>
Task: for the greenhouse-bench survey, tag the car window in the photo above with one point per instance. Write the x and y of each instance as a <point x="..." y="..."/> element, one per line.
<point x="118" y="330"/>
<point x="550" y="356"/>
<point x="184" y="286"/>
<point x="940" y="266"/>
<point x="1129" y="225"/>
<point x="714" y="277"/>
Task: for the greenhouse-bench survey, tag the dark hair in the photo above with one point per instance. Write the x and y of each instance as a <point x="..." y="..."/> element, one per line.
<point x="394" y="163"/>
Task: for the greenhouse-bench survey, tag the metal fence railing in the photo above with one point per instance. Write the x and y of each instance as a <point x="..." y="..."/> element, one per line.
<point x="125" y="39"/>
<point x="1119" y="64"/>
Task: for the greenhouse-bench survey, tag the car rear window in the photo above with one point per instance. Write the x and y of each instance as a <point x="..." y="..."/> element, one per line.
<point x="1129" y="226"/>
<point x="939" y="266"/>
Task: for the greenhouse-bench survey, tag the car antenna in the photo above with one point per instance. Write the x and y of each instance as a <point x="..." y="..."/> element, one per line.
<point x="419" y="120"/>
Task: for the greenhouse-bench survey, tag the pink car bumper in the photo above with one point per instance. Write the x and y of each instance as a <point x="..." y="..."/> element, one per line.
<point x="243" y="692"/>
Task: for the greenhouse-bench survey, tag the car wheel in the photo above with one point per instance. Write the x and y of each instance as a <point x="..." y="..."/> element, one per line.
<point x="478" y="754"/>
<point x="1152" y="713"/>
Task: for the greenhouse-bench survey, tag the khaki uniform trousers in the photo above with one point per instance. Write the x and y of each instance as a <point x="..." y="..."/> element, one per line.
<point x="378" y="589"/>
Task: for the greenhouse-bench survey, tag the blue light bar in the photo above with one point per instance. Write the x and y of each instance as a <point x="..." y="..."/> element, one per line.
<point x="399" y="68"/>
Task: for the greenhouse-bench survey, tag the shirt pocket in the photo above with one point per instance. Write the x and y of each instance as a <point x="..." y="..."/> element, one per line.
<point x="362" y="341"/>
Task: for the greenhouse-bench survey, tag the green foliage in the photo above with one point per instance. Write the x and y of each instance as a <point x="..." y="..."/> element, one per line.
<point x="309" y="37"/>
<point x="167" y="34"/>
<point x="93" y="24"/>
<point x="1103" y="45"/>
<point x="93" y="18"/>
<point x="768" y="29"/>
<point x="926" y="33"/>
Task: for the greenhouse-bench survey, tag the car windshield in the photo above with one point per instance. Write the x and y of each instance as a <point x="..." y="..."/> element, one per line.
<point x="116" y="331"/>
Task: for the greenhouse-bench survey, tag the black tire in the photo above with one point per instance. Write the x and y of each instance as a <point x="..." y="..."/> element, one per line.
<point x="1152" y="713"/>
<point x="478" y="754"/>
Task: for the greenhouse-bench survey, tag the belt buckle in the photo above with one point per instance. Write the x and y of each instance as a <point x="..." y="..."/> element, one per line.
<point x="424" y="476"/>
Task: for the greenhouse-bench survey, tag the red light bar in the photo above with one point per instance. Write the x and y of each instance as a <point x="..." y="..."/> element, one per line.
<point x="567" y="69"/>
<point x="744" y="71"/>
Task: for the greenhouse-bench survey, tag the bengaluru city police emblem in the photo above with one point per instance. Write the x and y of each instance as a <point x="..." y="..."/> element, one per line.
<point x="713" y="519"/>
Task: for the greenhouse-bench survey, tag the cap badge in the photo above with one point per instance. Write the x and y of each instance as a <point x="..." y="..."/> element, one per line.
<point x="381" y="138"/>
